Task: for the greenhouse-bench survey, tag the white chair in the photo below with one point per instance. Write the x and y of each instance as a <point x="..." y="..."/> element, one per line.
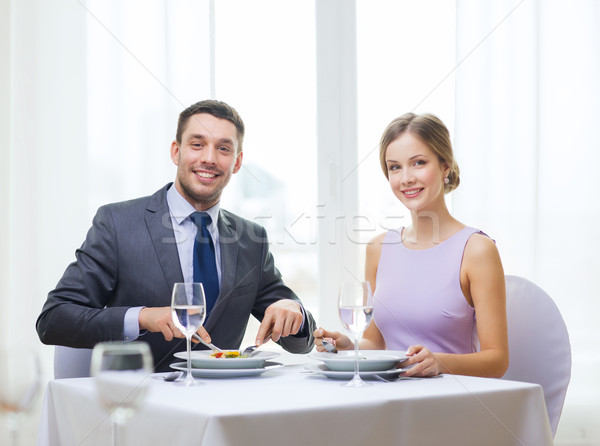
<point x="71" y="362"/>
<point x="540" y="351"/>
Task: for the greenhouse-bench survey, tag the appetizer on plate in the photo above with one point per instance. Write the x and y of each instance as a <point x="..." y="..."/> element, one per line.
<point x="228" y="354"/>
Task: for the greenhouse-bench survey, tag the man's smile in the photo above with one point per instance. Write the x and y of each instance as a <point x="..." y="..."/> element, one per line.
<point x="205" y="176"/>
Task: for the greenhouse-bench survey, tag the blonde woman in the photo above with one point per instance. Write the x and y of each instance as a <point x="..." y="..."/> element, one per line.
<point x="434" y="279"/>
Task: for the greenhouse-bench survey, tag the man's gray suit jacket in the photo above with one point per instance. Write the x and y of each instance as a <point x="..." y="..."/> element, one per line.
<point x="130" y="258"/>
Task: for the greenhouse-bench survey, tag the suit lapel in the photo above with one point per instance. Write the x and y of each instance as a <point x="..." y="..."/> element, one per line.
<point x="159" y="226"/>
<point x="229" y="247"/>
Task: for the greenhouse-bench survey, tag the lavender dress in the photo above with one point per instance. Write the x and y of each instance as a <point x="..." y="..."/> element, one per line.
<point x="418" y="298"/>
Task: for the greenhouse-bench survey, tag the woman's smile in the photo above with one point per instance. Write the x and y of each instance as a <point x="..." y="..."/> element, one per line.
<point x="412" y="193"/>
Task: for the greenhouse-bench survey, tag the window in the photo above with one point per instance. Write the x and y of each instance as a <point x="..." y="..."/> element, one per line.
<point x="267" y="72"/>
<point x="405" y="64"/>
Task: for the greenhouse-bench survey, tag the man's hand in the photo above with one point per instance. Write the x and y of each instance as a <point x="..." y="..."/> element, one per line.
<point x="203" y="334"/>
<point x="282" y="319"/>
<point x="157" y="319"/>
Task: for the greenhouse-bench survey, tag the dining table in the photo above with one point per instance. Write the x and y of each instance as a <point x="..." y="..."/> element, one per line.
<point x="295" y="405"/>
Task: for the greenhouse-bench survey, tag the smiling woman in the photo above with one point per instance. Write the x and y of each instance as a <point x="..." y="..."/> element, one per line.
<point x="433" y="278"/>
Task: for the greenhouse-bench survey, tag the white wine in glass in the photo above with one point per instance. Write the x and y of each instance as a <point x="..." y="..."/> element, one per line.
<point x="355" y="306"/>
<point x="121" y="371"/>
<point x="20" y="384"/>
<point x="188" y="309"/>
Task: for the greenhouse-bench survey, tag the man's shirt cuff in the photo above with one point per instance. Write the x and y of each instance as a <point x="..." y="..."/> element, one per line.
<point x="131" y="324"/>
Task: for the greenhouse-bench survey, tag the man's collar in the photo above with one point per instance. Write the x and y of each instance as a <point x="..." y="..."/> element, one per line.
<point x="181" y="208"/>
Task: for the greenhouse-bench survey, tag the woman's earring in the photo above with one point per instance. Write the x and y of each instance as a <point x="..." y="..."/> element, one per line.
<point x="446" y="180"/>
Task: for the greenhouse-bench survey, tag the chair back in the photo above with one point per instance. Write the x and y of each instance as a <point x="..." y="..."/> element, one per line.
<point x="71" y="362"/>
<point x="538" y="340"/>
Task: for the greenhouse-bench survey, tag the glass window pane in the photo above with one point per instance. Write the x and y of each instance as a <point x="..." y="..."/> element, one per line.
<point x="405" y="63"/>
<point x="267" y="72"/>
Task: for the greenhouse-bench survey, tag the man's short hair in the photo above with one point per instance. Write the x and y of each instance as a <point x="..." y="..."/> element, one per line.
<point x="218" y="109"/>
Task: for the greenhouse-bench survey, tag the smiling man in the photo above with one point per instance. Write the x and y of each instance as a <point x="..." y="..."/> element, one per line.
<point x="207" y="152"/>
<point x="119" y="287"/>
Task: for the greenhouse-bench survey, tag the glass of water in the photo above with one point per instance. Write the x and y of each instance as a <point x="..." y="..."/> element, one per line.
<point x="121" y="371"/>
<point x="188" y="309"/>
<point x="355" y="305"/>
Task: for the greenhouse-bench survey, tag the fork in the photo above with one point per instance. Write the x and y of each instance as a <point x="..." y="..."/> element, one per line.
<point x="328" y="346"/>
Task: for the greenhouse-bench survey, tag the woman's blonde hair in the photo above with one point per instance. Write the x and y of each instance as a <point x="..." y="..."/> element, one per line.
<point x="429" y="129"/>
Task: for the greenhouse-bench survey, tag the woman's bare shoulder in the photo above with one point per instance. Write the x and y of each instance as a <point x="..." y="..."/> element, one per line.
<point x="482" y="259"/>
<point x="374" y="247"/>
<point x="378" y="239"/>
<point x="480" y="246"/>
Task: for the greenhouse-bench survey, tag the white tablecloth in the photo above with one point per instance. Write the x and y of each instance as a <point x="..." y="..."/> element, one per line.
<point x="288" y="407"/>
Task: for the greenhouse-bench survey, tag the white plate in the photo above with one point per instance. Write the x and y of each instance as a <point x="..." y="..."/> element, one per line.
<point x="227" y="373"/>
<point x="368" y="360"/>
<point x="201" y="359"/>
<point x="333" y="374"/>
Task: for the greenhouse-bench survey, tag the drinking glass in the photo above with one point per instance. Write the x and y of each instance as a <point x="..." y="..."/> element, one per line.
<point x="355" y="305"/>
<point x="20" y="384"/>
<point x="121" y="371"/>
<point x="188" y="309"/>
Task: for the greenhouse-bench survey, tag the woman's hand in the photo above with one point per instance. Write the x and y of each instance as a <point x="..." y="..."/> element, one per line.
<point x="339" y="341"/>
<point x="423" y="361"/>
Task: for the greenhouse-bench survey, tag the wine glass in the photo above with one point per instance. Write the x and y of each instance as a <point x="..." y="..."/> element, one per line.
<point x="20" y="384"/>
<point x="188" y="309"/>
<point x="121" y="371"/>
<point x="355" y="305"/>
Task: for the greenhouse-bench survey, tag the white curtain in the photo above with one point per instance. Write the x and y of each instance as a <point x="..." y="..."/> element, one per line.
<point x="43" y="185"/>
<point x="92" y="100"/>
<point x="527" y="107"/>
<point x="141" y="74"/>
<point x="40" y="198"/>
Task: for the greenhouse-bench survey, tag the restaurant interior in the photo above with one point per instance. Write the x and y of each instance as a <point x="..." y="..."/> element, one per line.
<point x="90" y="95"/>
